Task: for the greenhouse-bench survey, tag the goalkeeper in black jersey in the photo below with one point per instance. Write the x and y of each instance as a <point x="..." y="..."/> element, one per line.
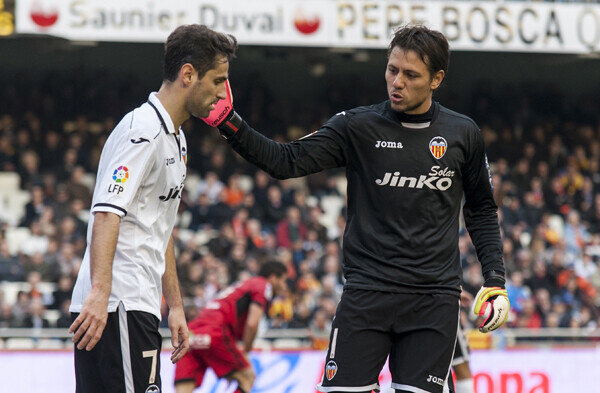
<point x="408" y="161"/>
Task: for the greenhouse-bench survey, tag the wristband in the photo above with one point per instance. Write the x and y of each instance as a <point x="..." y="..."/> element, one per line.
<point x="230" y="125"/>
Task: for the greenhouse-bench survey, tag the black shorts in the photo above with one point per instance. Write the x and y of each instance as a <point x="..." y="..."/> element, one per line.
<point x="461" y="351"/>
<point x="417" y="331"/>
<point x="125" y="360"/>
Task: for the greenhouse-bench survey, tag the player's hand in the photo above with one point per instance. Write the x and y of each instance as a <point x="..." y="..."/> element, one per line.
<point x="179" y="333"/>
<point x="223" y="116"/>
<point x="91" y="321"/>
<point x="492" y="307"/>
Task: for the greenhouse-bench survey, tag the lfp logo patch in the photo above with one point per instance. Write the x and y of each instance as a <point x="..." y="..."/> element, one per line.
<point x="438" y="147"/>
<point x="121" y="174"/>
<point x="184" y="155"/>
<point x="330" y="370"/>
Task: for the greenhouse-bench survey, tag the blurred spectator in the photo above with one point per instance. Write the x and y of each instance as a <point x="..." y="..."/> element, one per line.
<point x="35" y="207"/>
<point x="291" y="229"/>
<point x="62" y="293"/>
<point x="21" y="308"/>
<point x="11" y="268"/>
<point x="575" y="234"/>
<point x="64" y="320"/>
<point x="320" y="329"/>
<point x="35" y="242"/>
<point x="274" y="209"/>
<point x="233" y="193"/>
<point x="7" y="317"/>
<point x="75" y="187"/>
<point x="211" y="186"/>
<point x="35" y="317"/>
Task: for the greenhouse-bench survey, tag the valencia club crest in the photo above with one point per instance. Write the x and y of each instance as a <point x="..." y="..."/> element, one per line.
<point x="438" y="147"/>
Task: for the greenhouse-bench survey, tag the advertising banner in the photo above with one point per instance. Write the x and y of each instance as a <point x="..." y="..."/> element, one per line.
<point x="524" y="371"/>
<point x="481" y="26"/>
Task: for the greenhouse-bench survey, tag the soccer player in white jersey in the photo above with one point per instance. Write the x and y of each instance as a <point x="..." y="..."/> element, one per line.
<point x="129" y="263"/>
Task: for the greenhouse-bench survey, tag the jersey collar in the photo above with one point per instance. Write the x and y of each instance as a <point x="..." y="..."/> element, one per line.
<point x="162" y="113"/>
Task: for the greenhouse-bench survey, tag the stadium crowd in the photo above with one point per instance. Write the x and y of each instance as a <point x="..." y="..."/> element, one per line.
<point x="544" y="151"/>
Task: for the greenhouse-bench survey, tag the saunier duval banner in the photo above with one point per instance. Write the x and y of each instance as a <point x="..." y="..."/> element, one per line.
<point x="487" y="26"/>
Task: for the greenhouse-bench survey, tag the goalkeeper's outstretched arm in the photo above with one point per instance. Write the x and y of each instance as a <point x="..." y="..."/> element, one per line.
<point x="320" y="150"/>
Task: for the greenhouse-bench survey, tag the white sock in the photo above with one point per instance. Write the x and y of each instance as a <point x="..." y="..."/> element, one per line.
<point x="464" y="386"/>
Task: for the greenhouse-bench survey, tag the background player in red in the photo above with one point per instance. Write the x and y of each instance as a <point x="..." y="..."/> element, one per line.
<point x="232" y="317"/>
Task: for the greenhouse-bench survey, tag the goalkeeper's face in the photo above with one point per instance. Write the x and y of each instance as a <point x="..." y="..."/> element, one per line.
<point x="206" y="91"/>
<point x="410" y="85"/>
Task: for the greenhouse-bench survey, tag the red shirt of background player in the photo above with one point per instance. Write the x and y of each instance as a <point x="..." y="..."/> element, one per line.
<point x="230" y="309"/>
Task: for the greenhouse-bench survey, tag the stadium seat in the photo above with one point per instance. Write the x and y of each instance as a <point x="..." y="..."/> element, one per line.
<point x="246" y="183"/>
<point x="52" y="316"/>
<point x="89" y="180"/>
<point x="47" y="343"/>
<point x="12" y="198"/>
<point x="15" y="237"/>
<point x="20" y="343"/>
<point x="191" y="185"/>
<point x="11" y="289"/>
<point x="9" y="181"/>
<point x="203" y="237"/>
<point x="287" y="343"/>
<point x="331" y="205"/>
<point x="185" y="235"/>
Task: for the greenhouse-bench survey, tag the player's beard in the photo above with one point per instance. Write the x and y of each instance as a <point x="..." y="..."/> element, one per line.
<point x="197" y="109"/>
<point x="196" y="103"/>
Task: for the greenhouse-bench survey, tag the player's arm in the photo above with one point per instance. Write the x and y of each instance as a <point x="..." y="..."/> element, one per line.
<point x="177" y="323"/>
<point x="92" y="319"/>
<point x="480" y="210"/>
<point x="321" y="150"/>
<point x="255" y="313"/>
<point x="481" y="219"/>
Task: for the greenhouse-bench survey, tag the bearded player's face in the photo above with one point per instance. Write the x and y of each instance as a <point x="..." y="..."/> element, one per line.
<point x="208" y="90"/>
<point x="409" y="83"/>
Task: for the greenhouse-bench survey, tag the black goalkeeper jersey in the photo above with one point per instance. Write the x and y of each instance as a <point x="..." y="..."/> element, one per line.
<point x="405" y="189"/>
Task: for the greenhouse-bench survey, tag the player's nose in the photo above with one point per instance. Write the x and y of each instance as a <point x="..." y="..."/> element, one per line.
<point x="222" y="92"/>
<point x="398" y="82"/>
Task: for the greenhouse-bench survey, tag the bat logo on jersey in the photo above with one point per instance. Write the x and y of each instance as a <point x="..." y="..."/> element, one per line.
<point x="330" y="370"/>
<point x="438" y="146"/>
<point x="121" y="174"/>
<point x="152" y="389"/>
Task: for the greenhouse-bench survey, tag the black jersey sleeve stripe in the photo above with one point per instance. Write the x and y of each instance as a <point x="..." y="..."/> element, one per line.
<point x="113" y="206"/>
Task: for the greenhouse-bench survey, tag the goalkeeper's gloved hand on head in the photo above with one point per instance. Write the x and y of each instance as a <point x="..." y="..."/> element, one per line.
<point x="224" y="117"/>
<point x="491" y="302"/>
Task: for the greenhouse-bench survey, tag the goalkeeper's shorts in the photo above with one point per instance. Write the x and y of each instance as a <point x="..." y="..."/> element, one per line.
<point x="417" y="331"/>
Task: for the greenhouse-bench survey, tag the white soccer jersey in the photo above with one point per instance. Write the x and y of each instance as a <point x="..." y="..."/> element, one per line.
<point x="140" y="178"/>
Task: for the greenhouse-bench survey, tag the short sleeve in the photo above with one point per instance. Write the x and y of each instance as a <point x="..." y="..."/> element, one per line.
<point x="125" y="162"/>
<point x="261" y="293"/>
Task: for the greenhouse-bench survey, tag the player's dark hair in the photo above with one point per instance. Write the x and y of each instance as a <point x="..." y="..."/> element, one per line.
<point x="431" y="46"/>
<point x="197" y="45"/>
<point x="272" y="267"/>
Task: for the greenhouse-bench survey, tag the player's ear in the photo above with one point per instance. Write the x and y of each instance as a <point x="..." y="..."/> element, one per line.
<point x="186" y="74"/>
<point x="437" y="79"/>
